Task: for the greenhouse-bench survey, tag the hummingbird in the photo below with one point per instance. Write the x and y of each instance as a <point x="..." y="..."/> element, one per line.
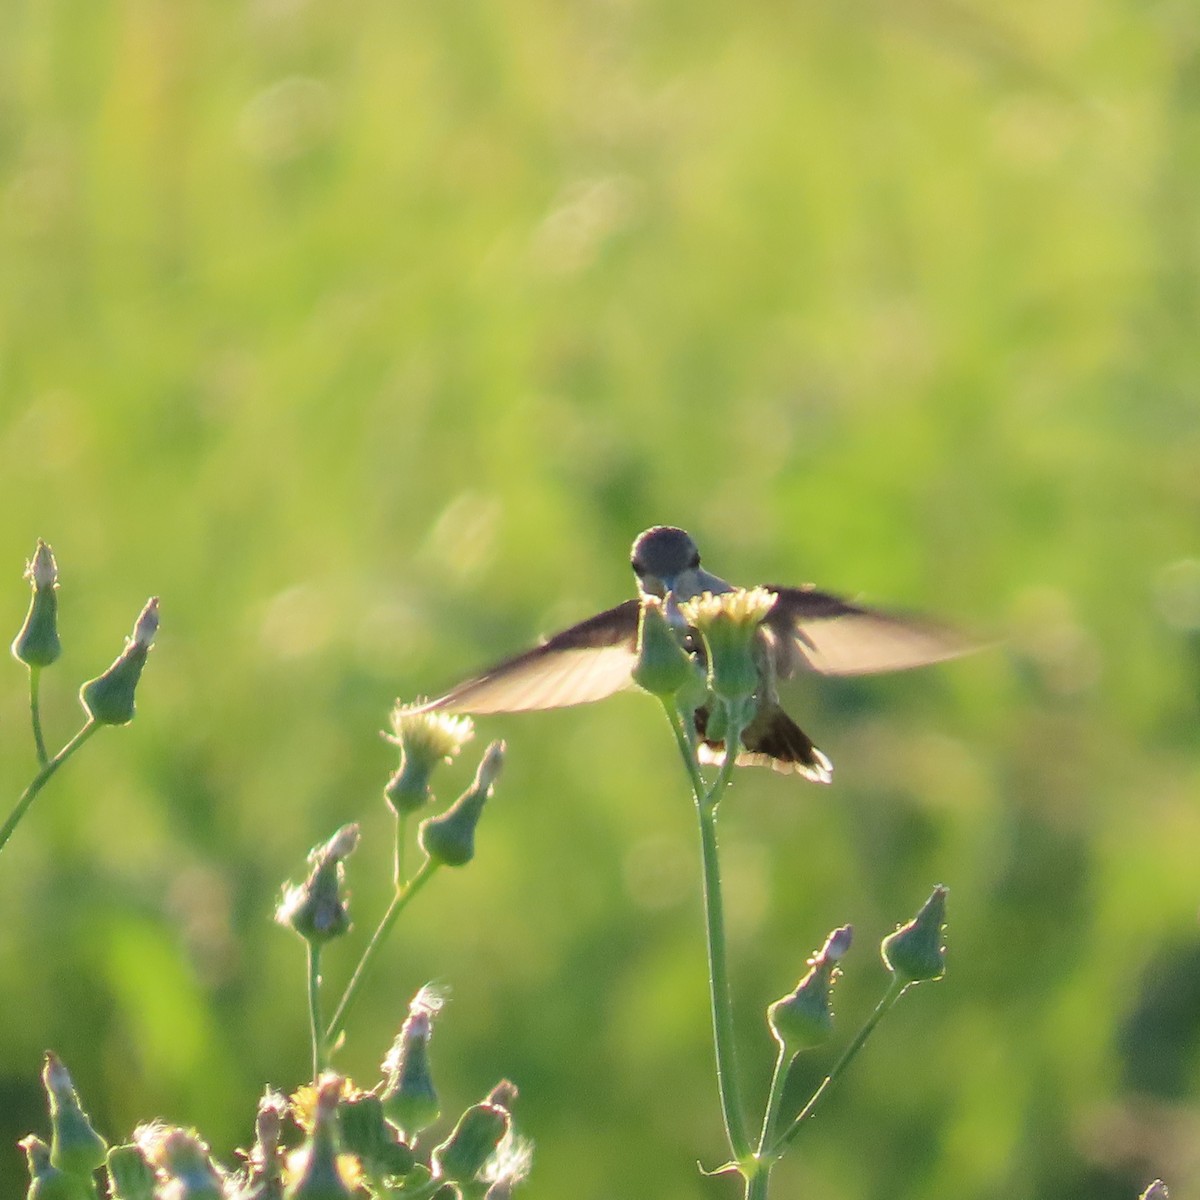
<point x="805" y="630"/>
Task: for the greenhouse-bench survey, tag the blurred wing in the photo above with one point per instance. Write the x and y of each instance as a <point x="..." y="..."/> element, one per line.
<point x="587" y="662"/>
<point x="815" y="631"/>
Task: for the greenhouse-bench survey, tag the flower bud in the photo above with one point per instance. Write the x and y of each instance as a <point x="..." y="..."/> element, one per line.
<point x="662" y="666"/>
<point x="464" y="1154"/>
<point x="46" y="1181"/>
<point x="263" y="1179"/>
<point x="409" y="1098"/>
<point x="915" y="951"/>
<point x="319" y="1177"/>
<point x="316" y="909"/>
<point x="183" y="1160"/>
<point x="728" y="624"/>
<point x="449" y="839"/>
<point x="108" y="698"/>
<point x="37" y="644"/>
<point x="75" y="1147"/>
<point x="130" y="1175"/>
<point x="804" y="1018"/>
<point x="425" y="740"/>
<point x="367" y="1135"/>
<point x="1156" y="1191"/>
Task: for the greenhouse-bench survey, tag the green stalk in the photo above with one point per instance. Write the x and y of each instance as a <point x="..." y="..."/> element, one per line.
<point x="720" y="997"/>
<point x="41" y="778"/>
<point x="35" y="714"/>
<point x="399" y="903"/>
<point x="774" y="1100"/>
<point x="398" y="859"/>
<point x="314" y="1009"/>
<point x="718" y="978"/>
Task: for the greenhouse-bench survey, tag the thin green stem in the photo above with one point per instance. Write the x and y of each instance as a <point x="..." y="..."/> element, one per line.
<point x="399" y="902"/>
<point x="42" y="778"/>
<point x="35" y="714"/>
<point x="398" y="860"/>
<point x="774" y="1099"/>
<point x="686" y="750"/>
<point x="895" y="990"/>
<point x="756" y="1184"/>
<point x="314" y="1009"/>
<point x="718" y="978"/>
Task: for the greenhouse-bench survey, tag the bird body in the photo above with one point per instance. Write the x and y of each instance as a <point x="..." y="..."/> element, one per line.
<point x="805" y="630"/>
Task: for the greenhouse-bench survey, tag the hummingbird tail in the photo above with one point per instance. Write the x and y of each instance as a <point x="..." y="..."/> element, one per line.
<point x="772" y="740"/>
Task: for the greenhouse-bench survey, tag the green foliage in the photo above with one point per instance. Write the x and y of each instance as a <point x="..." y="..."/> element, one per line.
<point x="369" y="336"/>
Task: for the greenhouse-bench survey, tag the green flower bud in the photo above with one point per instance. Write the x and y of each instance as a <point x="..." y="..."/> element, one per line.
<point x="366" y="1134"/>
<point x="316" y="909"/>
<point x="108" y="698"/>
<point x="130" y="1175"/>
<point x="46" y="1181"/>
<point x="804" y="1018"/>
<point x="263" y="1179"/>
<point x="662" y="666"/>
<point x="183" y="1160"/>
<point x="409" y="1098"/>
<point x="474" y="1140"/>
<point x="728" y="624"/>
<point x="319" y="1177"/>
<point x="449" y="839"/>
<point x="37" y="644"/>
<point x="425" y="740"/>
<point x="75" y="1147"/>
<point x="915" y="951"/>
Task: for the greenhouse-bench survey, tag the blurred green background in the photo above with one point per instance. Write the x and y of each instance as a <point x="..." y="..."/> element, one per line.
<point x="369" y="335"/>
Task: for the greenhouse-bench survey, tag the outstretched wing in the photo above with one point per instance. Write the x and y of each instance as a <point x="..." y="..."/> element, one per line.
<point x="815" y="631"/>
<point x="587" y="662"/>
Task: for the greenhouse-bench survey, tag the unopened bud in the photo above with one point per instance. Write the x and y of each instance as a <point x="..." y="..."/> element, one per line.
<point x="263" y="1180"/>
<point x="409" y="1098"/>
<point x="108" y="698"/>
<point x="463" y="1155"/>
<point x="449" y="839"/>
<point x="317" y="909"/>
<point x="75" y="1147"/>
<point x="1156" y="1191"/>
<point x="366" y="1134"/>
<point x="37" y="644"/>
<point x="46" y="1181"/>
<point x="662" y="666"/>
<point x="319" y="1177"/>
<point x="130" y="1175"/>
<point x="183" y="1160"/>
<point x="804" y="1018"/>
<point x="915" y="951"/>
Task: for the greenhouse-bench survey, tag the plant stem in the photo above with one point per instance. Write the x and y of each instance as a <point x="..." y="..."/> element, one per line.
<point x="720" y="998"/>
<point x="314" y="1009"/>
<point x="398" y="860"/>
<point x="35" y="714"/>
<point x="42" y="777"/>
<point x="895" y="990"/>
<point x="774" y="1099"/>
<point x="718" y="978"/>
<point x="399" y="901"/>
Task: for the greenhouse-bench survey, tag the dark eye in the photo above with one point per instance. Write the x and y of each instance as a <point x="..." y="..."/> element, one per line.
<point x="695" y="561"/>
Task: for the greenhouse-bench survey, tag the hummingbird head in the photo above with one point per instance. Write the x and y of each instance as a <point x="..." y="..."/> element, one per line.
<point x="660" y="556"/>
